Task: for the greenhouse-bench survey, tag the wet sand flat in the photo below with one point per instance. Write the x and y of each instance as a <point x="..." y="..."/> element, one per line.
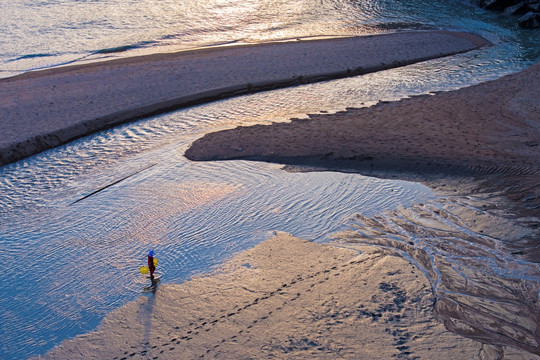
<point x="286" y="298"/>
<point x="43" y="109"/>
<point x="492" y="127"/>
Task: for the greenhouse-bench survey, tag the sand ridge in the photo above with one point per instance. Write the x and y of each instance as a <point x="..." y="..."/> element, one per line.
<point x="43" y="109"/>
<point x="490" y="128"/>
<point x="493" y="126"/>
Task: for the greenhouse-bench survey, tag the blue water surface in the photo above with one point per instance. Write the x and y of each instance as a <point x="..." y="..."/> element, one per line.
<point x="71" y="262"/>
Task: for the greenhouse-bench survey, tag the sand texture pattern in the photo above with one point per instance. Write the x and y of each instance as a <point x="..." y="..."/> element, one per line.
<point x="43" y="109"/>
<point x="286" y="298"/>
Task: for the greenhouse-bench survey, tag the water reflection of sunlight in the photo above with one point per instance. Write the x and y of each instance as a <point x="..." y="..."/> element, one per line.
<point x="148" y="209"/>
<point x="231" y="13"/>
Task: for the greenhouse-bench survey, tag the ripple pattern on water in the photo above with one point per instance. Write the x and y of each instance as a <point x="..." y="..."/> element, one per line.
<point x="74" y="262"/>
<point x="55" y="33"/>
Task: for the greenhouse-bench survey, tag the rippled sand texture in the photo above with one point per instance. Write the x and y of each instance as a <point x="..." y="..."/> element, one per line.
<point x="43" y="109"/>
<point x="286" y="298"/>
<point x="483" y="290"/>
<point x="480" y="148"/>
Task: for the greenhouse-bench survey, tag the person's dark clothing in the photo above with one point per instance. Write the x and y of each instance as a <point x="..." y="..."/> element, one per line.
<point x="151" y="265"/>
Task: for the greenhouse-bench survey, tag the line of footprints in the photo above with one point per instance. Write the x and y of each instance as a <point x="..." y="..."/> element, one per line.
<point x="207" y="324"/>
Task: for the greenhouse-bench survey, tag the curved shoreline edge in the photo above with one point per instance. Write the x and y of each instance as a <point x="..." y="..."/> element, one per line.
<point x="478" y="143"/>
<point x="44" y="109"/>
<point x="491" y="128"/>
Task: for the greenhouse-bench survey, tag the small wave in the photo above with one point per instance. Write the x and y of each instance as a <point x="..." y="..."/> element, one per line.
<point x="224" y="43"/>
<point x="123" y="48"/>
<point x="402" y="25"/>
<point x="117" y="49"/>
<point x="30" y="56"/>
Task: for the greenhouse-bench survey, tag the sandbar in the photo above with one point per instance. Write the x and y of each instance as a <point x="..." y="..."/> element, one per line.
<point x="492" y="128"/>
<point x="43" y="109"/>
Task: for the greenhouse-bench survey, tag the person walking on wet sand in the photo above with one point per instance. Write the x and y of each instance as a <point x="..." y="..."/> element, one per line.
<point x="151" y="265"/>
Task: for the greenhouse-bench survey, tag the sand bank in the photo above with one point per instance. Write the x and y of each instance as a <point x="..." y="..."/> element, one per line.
<point x="481" y="142"/>
<point x="287" y="299"/>
<point x="490" y="128"/>
<point x="43" y="109"/>
<point x="493" y="126"/>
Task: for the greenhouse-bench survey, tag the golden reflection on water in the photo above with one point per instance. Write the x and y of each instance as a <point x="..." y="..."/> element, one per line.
<point x="143" y="218"/>
<point x="169" y="200"/>
<point x="107" y="251"/>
